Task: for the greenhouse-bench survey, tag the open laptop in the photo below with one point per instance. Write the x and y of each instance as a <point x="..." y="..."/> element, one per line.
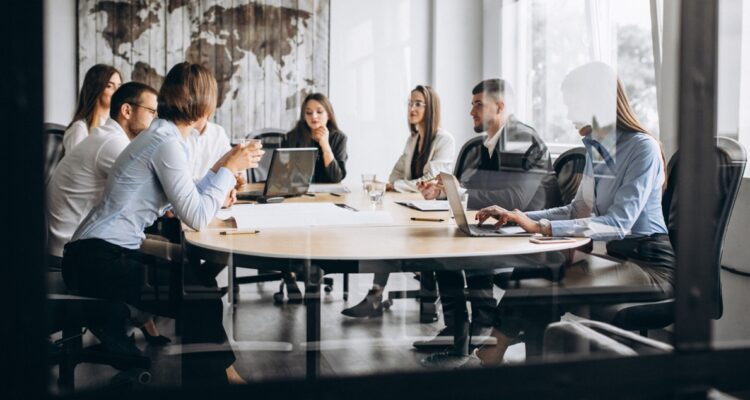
<point x="289" y="175"/>
<point x="450" y="184"/>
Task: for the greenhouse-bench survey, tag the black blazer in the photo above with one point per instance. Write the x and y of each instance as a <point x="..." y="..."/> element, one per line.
<point x="336" y="171"/>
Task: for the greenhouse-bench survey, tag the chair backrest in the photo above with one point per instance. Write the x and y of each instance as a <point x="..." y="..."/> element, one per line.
<point x="731" y="162"/>
<point x="461" y="161"/>
<point x="568" y="169"/>
<point x="271" y="138"/>
<point x="53" y="148"/>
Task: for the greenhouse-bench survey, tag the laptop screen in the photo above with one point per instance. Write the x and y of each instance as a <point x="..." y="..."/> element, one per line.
<point x="451" y="191"/>
<point x="291" y="172"/>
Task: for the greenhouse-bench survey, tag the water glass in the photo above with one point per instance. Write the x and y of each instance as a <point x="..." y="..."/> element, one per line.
<point x="366" y="180"/>
<point x="376" y="192"/>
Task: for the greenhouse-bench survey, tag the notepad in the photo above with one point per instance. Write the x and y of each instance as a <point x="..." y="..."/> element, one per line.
<point x="426" y="205"/>
<point x="327" y="188"/>
<point x="266" y="216"/>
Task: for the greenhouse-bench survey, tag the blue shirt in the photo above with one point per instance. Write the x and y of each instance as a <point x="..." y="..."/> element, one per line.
<point x="620" y="192"/>
<point x="152" y="174"/>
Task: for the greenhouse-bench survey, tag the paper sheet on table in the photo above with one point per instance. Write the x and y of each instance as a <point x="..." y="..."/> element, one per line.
<point x="327" y="188"/>
<point x="426" y="205"/>
<point x="259" y="216"/>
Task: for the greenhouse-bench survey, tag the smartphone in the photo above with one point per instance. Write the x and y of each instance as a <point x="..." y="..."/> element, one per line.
<point x="551" y="239"/>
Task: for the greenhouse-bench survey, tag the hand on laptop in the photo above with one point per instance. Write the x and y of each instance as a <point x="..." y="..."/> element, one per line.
<point x="504" y="216"/>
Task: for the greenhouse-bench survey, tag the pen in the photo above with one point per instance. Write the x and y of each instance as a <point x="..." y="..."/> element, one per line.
<point x="335" y="194"/>
<point x="240" y="232"/>
<point x="309" y="194"/>
<point x="427" y="219"/>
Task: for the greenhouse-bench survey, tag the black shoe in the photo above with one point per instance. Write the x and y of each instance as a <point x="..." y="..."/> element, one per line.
<point x="293" y="294"/>
<point x="443" y="339"/>
<point x="370" y="306"/>
<point x="155" y="340"/>
<point x="446" y="359"/>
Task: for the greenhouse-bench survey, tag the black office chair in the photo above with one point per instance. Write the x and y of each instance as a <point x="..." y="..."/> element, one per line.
<point x="731" y="161"/>
<point x="53" y="148"/>
<point x="568" y="169"/>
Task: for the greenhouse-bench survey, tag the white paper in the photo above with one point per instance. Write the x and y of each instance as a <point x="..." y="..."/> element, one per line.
<point x="261" y="216"/>
<point x="427" y="205"/>
<point x="327" y="188"/>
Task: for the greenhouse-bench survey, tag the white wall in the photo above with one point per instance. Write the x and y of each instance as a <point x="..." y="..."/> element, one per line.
<point x="730" y="49"/>
<point x="60" y="51"/>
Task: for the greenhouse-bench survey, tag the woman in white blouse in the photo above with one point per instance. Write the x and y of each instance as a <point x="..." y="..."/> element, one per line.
<point x="429" y="151"/>
<point x="100" y="83"/>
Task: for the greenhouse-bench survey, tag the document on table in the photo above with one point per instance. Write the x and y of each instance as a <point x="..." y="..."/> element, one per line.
<point x="327" y="188"/>
<point x="260" y="216"/>
<point x="426" y="205"/>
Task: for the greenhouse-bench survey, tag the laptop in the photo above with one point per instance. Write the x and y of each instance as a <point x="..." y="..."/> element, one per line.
<point x="450" y="184"/>
<point x="289" y="175"/>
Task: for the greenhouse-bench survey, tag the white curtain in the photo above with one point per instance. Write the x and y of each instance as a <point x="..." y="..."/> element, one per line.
<point x="602" y="31"/>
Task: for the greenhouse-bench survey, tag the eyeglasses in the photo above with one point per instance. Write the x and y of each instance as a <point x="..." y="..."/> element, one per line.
<point x="151" y="110"/>
<point x="417" y="104"/>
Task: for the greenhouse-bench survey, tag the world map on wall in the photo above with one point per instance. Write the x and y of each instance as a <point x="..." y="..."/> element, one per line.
<point x="266" y="55"/>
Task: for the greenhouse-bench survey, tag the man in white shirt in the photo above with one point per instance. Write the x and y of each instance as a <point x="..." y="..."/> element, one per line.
<point x="207" y="145"/>
<point x="80" y="178"/>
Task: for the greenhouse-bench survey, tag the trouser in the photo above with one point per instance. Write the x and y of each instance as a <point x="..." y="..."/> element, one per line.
<point x="650" y="261"/>
<point x="453" y="297"/>
<point x="97" y="268"/>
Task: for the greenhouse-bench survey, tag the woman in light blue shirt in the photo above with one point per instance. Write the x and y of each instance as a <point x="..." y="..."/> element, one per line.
<point x="151" y="175"/>
<point x="620" y="193"/>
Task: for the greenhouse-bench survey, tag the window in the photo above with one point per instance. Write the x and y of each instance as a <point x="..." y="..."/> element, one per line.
<point x="542" y="40"/>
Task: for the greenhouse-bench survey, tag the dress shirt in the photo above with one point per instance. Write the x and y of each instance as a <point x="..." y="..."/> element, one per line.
<point x="77" y="131"/>
<point x="151" y="175"/>
<point x="616" y="197"/>
<point x="490" y="143"/>
<point x="78" y="182"/>
<point x="207" y="148"/>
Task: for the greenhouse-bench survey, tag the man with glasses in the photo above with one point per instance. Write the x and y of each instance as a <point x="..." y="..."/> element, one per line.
<point x="79" y="179"/>
<point x="507" y="164"/>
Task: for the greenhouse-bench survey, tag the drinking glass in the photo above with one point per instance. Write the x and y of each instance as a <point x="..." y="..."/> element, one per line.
<point x="366" y="180"/>
<point x="376" y="192"/>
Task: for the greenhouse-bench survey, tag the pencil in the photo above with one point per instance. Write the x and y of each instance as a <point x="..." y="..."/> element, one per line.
<point x="240" y="232"/>
<point x="427" y="219"/>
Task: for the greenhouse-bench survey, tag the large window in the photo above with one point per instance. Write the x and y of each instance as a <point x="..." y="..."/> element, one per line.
<point x="555" y="37"/>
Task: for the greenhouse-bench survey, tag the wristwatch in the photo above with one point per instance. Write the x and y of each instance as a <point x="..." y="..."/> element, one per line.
<point x="545" y="227"/>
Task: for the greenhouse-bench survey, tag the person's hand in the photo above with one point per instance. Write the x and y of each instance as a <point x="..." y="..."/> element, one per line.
<point x="430" y="190"/>
<point x="231" y="198"/>
<point x="320" y="135"/>
<point x="241" y="158"/>
<point x="504" y="216"/>
<point x="389" y="187"/>
<point x="241" y="180"/>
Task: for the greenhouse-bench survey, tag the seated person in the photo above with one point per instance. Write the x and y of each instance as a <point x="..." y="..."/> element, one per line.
<point x="93" y="107"/>
<point x="79" y="179"/>
<point x="424" y="155"/>
<point x="152" y="174"/>
<point x="317" y="127"/>
<point x="620" y="194"/>
<point x="491" y="174"/>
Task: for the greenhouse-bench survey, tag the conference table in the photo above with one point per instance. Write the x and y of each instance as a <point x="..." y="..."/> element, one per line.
<point x="402" y="244"/>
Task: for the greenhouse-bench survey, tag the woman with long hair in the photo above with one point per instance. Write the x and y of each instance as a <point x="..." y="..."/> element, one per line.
<point x="152" y="175"/>
<point x="429" y="151"/>
<point x="100" y="82"/>
<point x="619" y="196"/>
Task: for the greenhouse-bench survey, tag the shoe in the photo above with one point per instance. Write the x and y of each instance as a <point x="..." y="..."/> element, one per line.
<point x="293" y="294"/>
<point x="443" y="339"/>
<point x="155" y="340"/>
<point x="472" y="361"/>
<point x="370" y="306"/>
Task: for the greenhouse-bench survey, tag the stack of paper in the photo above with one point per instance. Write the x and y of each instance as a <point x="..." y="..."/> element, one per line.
<point x="257" y="216"/>
<point x="426" y="205"/>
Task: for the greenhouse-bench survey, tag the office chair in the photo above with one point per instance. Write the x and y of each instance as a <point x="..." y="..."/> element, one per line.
<point x="568" y="168"/>
<point x="731" y="161"/>
<point x="271" y="138"/>
<point x="53" y="148"/>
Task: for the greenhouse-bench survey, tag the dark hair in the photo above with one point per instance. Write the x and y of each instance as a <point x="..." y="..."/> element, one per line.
<point x="129" y="93"/>
<point x="94" y="83"/>
<point x="189" y="92"/>
<point x="497" y="88"/>
<point x="431" y="123"/>
<point x="323" y="100"/>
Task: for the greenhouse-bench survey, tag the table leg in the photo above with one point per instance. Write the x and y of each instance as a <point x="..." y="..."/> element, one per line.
<point x="313" y="277"/>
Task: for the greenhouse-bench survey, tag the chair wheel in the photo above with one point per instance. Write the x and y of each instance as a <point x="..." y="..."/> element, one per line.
<point x="131" y="378"/>
<point x="387" y="304"/>
<point x="328" y="288"/>
<point x="278" y="297"/>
